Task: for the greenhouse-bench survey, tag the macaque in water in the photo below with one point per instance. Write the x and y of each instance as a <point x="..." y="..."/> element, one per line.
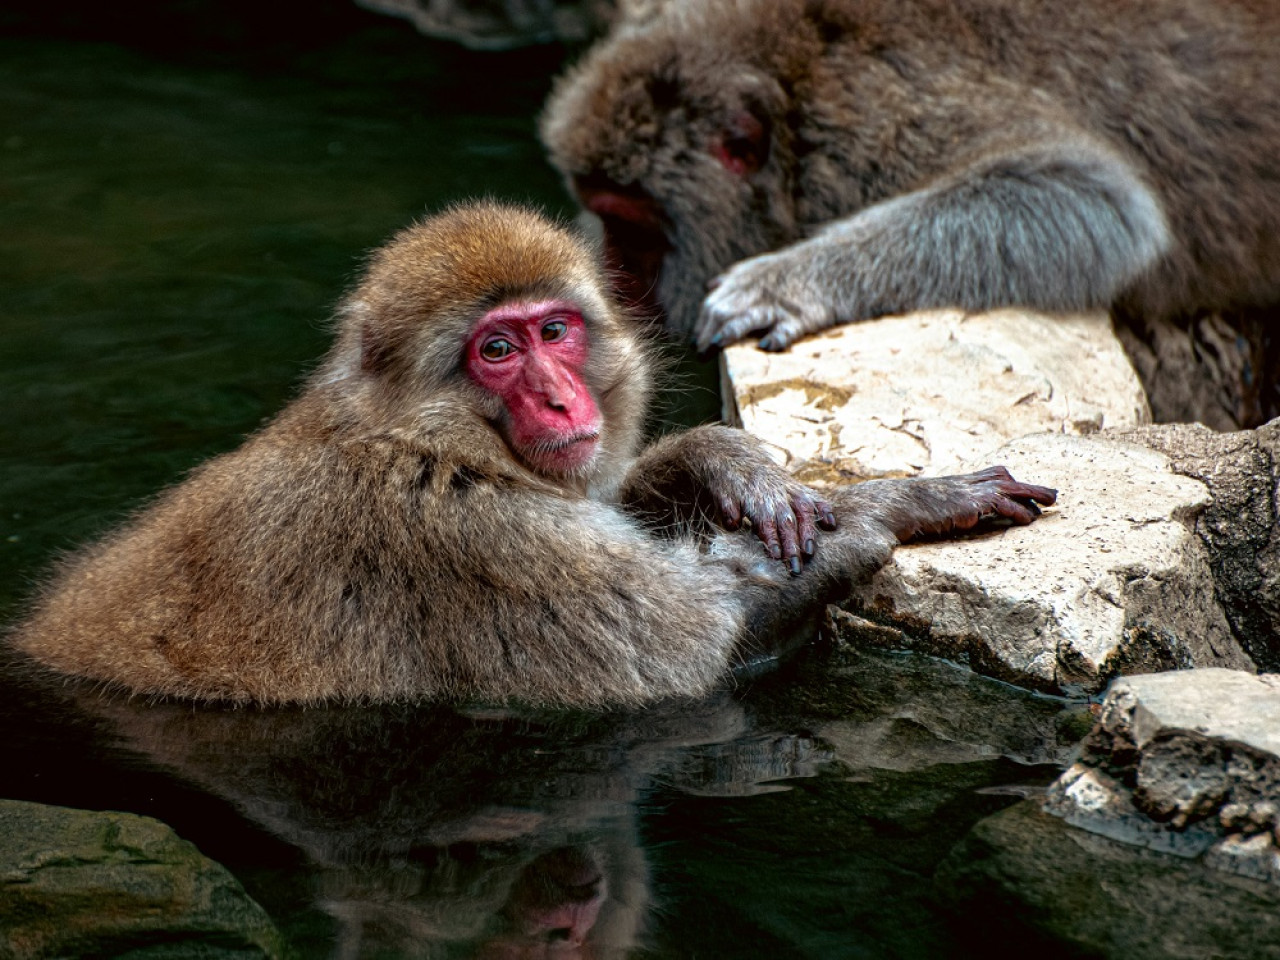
<point x="458" y="507"/>
<point x="817" y="162"/>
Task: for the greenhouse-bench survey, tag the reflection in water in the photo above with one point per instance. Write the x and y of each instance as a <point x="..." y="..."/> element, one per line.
<point x="806" y="814"/>
<point x="493" y="834"/>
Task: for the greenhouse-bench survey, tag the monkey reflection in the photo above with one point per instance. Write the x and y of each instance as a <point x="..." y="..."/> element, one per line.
<point x="458" y="508"/>
<point x="827" y="161"/>
<point x="430" y="833"/>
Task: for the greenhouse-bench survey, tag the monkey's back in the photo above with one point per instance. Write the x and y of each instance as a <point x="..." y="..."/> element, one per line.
<point x="1188" y="91"/>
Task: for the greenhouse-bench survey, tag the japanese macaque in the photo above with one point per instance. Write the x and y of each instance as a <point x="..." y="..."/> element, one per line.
<point x="824" y="161"/>
<point x="456" y="507"/>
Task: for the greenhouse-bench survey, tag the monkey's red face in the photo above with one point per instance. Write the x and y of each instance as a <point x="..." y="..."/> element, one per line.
<point x="532" y="356"/>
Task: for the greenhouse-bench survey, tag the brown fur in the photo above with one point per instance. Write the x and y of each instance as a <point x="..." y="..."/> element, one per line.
<point x="378" y="540"/>
<point x="1120" y="153"/>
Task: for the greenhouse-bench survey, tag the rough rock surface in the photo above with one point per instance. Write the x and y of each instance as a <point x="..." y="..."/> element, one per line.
<point x="1111" y="580"/>
<point x="1239" y="528"/>
<point x="922" y="392"/>
<point x="77" y="883"/>
<point x="1185" y="763"/>
<point x="1025" y="884"/>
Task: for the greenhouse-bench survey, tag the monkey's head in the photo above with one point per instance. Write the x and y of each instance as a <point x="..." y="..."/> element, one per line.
<point x="675" y="133"/>
<point x="487" y="333"/>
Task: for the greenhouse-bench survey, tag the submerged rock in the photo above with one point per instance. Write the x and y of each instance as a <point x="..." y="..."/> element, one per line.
<point x="1186" y="763"/>
<point x="79" y="883"/>
<point x="1025" y="883"/>
<point x="1112" y="580"/>
<point x="1159" y="842"/>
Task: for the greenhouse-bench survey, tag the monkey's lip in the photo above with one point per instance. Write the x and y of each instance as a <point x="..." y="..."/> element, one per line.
<point x="568" y="453"/>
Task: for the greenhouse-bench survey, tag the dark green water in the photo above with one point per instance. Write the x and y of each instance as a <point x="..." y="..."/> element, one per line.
<point x="176" y="219"/>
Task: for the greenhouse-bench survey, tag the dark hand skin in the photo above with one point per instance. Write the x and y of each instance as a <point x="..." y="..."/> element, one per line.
<point x="995" y="495"/>
<point x="719" y="473"/>
<point x="876" y="516"/>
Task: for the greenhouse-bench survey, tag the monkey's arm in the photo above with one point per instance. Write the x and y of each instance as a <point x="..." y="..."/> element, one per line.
<point x="879" y="514"/>
<point x="719" y="474"/>
<point x="1057" y="223"/>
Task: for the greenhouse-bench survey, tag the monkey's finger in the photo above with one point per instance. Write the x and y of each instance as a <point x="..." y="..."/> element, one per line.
<point x="1019" y="512"/>
<point x="806" y="531"/>
<point x="826" y="515"/>
<point x="784" y="333"/>
<point x="724" y="321"/>
<point x="766" y="528"/>
<point x="1029" y="491"/>
<point x="787" y="530"/>
<point x="730" y="513"/>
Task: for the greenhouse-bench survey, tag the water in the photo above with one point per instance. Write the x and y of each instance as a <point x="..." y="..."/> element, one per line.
<point x="178" y="213"/>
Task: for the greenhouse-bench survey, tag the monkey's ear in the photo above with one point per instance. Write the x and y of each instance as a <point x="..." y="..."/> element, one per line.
<point x="742" y="147"/>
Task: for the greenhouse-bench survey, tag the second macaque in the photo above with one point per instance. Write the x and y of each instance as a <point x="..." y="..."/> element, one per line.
<point x="829" y="161"/>
<point x="458" y="507"/>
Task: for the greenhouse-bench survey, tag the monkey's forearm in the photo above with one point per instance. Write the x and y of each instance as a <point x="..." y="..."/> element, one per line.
<point x="1063" y="225"/>
<point x="874" y="517"/>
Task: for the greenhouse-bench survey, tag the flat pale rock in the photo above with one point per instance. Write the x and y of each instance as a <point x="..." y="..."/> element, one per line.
<point x="910" y="394"/>
<point x="1112" y="580"/>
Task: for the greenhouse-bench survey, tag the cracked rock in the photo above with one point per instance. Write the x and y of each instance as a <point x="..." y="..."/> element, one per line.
<point x="912" y="394"/>
<point x="1239" y="526"/>
<point x="1185" y="763"/>
<point x="1112" y="580"/>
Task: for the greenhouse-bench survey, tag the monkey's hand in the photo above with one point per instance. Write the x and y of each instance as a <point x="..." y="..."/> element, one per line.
<point x="724" y="475"/>
<point x="947" y="505"/>
<point x="775" y="294"/>
<point x="783" y="513"/>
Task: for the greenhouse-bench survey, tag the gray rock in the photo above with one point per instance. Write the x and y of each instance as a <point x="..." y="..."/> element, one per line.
<point x="78" y="883"/>
<point x="1112" y="580"/>
<point x="1187" y="763"/>
<point x="1238" y="527"/>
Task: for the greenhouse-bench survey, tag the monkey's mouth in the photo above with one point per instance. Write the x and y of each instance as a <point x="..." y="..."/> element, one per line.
<point x="564" y="455"/>
<point x="635" y="239"/>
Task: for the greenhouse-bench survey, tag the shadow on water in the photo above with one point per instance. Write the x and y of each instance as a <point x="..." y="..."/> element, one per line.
<point x="184" y="191"/>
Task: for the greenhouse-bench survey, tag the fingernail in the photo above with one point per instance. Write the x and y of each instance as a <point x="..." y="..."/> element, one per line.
<point x="775" y="551"/>
<point x="795" y="566"/>
<point x="808" y="547"/>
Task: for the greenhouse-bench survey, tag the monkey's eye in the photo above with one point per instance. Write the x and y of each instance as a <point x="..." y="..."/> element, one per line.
<point x="554" y="330"/>
<point x="496" y="349"/>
